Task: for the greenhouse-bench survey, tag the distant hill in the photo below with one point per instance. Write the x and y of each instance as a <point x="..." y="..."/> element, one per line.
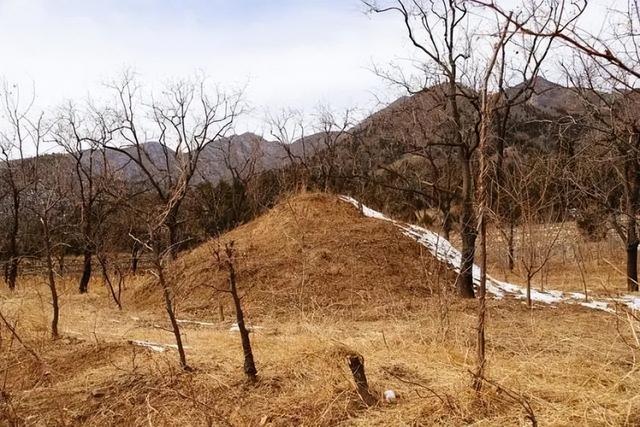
<point x="551" y="98"/>
<point x="408" y="122"/>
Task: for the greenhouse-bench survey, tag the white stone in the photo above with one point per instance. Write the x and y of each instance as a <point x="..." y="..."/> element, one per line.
<point x="390" y="396"/>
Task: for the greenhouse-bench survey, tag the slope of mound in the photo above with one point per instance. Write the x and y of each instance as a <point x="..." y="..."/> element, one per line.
<point x="310" y="253"/>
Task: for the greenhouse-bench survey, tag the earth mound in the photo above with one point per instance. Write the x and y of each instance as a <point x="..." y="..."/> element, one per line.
<point x="311" y="253"/>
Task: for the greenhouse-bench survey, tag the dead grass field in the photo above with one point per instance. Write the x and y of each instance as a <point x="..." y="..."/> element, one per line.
<point x="575" y="366"/>
<point x="574" y="261"/>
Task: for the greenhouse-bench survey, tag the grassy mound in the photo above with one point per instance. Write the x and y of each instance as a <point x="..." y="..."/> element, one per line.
<point x="310" y="255"/>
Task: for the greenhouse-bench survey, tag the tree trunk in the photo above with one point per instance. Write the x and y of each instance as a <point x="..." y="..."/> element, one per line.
<point x="249" y="364"/>
<point x="168" y="303"/>
<point x="511" y="244"/>
<point x="633" y="206"/>
<point x="107" y="279"/>
<point x="172" y="226"/>
<point x="464" y="282"/>
<point x="51" y="278"/>
<point x="11" y="273"/>
<point x="356" y="365"/>
<point x="484" y="206"/>
<point x="86" y="271"/>
<point x="135" y="257"/>
<point x="632" y="255"/>
<point x="446" y="221"/>
<point x="482" y="305"/>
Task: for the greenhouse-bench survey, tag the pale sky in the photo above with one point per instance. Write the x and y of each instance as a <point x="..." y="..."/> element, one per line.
<point x="290" y="53"/>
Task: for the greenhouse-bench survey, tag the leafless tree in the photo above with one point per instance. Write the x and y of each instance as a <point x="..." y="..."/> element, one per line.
<point x="495" y="109"/>
<point x="46" y="196"/>
<point x="288" y="128"/>
<point x="82" y="136"/>
<point x="317" y="153"/>
<point x="610" y="147"/>
<point x="46" y="205"/>
<point x="15" y="140"/>
<point x="614" y="55"/>
<point x="186" y="121"/>
<point x="534" y="185"/>
<point x="438" y="31"/>
<point x="226" y="259"/>
<point x="329" y="156"/>
<point x="453" y="49"/>
<point x="114" y="289"/>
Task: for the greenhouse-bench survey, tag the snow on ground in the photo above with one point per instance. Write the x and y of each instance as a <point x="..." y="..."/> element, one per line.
<point x="235" y="328"/>
<point x="442" y="249"/>
<point x="157" y="347"/>
<point x="194" y="322"/>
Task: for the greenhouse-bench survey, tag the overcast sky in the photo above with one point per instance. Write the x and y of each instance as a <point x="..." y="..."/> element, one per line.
<point x="290" y="53"/>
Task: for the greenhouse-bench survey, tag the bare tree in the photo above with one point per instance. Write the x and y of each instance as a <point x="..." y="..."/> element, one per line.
<point x="438" y="31"/>
<point x="114" y="290"/>
<point x="46" y="197"/>
<point x="82" y="136"/>
<point x="319" y="157"/>
<point x="614" y="54"/>
<point x="46" y="205"/>
<point x="494" y="111"/>
<point x="441" y="32"/>
<point x="611" y="146"/>
<point x="16" y="174"/>
<point x="227" y="260"/>
<point x="186" y="121"/>
<point x="288" y="128"/>
<point x="534" y="185"/>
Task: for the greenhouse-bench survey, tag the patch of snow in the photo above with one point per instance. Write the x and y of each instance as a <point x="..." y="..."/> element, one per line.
<point x="235" y="328"/>
<point x="598" y="305"/>
<point x="366" y="211"/>
<point x="631" y="301"/>
<point x="157" y="347"/>
<point x="194" y="322"/>
<point x="444" y="251"/>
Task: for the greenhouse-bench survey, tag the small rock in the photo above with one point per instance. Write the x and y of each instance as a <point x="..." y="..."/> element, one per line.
<point x="390" y="396"/>
<point x="98" y="393"/>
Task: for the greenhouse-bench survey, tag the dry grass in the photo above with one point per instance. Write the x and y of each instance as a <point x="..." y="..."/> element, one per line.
<point x="574" y="261"/>
<point x="571" y="364"/>
<point x="309" y="256"/>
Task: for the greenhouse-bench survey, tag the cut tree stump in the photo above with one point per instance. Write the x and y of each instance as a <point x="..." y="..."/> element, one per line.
<point x="356" y="365"/>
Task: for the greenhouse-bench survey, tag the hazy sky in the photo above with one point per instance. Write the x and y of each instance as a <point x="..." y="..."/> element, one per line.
<point x="291" y="53"/>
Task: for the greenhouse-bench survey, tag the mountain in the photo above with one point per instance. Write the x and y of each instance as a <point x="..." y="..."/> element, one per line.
<point x="408" y="123"/>
<point x="155" y="157"/>
<point x="551" y="98"/>
<point x="239" y="154"/>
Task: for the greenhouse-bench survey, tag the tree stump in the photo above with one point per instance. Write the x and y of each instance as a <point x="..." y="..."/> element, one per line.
<point x="356" y="365"/>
